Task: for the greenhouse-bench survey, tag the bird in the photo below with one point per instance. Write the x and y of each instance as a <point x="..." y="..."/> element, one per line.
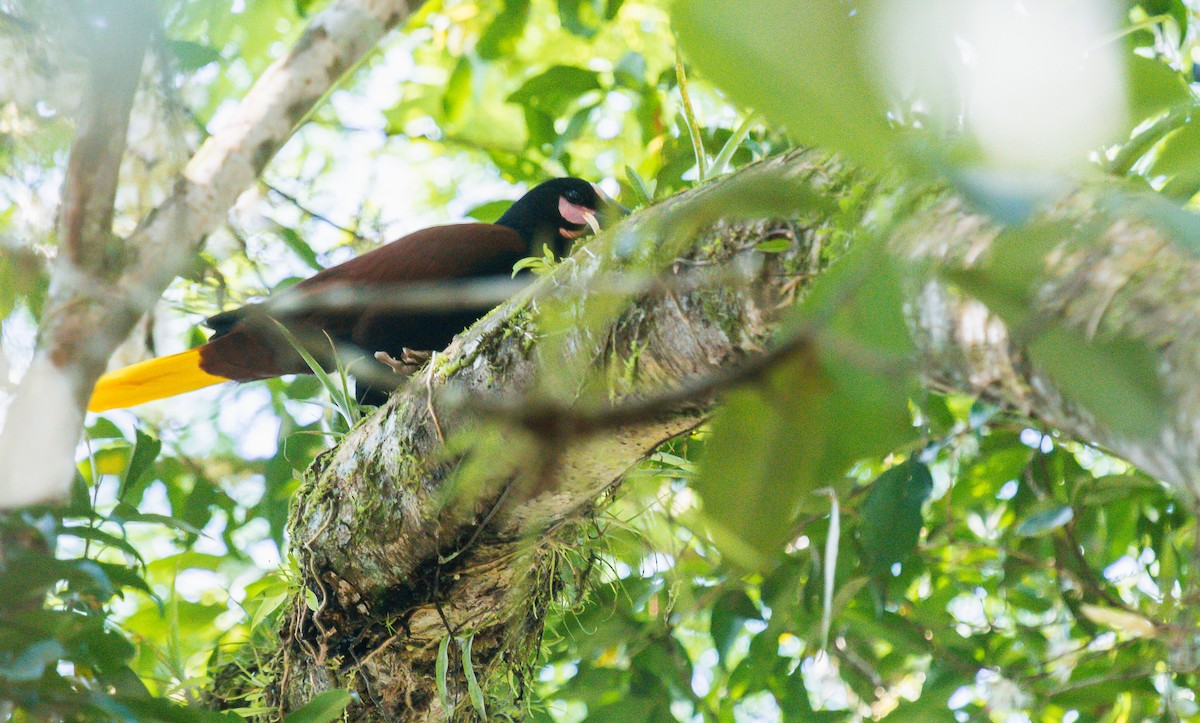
<point x="249" y="343"/>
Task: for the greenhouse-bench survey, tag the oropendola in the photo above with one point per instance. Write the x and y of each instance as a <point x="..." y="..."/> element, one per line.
<point x="248" y="344"/>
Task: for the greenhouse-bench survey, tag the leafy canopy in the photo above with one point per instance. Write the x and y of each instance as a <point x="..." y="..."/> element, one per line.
<point x="974" y="564"/>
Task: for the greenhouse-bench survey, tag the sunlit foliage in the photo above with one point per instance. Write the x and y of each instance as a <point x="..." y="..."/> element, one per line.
<point x="981" y="565"/>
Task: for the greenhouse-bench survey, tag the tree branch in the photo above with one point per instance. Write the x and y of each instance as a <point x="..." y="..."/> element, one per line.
<point x="404" y="535"/>
<point x="91" y="306"/>
<point x="114" y="43"/>
<point x="457" y="522"/>
<point x="115" y="49"/>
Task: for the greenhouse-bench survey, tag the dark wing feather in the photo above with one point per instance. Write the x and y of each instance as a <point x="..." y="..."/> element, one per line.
<point x="434" y="254"/>
<point x="248" y="346"/>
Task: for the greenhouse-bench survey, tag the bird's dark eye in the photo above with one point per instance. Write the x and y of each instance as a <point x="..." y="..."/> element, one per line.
<point x="574" y="196"/>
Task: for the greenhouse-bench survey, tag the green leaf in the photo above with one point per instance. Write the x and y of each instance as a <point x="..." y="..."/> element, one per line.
<point x="489" y="212"/>
<point x="797" y="61"/>
<point x="84" y="576"/>
<point x="1154" y="87"/>
<point x="1178" y="157"/>
<point x="752" y="476"/>
<point x="113" y="459"/>
<point x="774" y="246"/>
<point x="30" y="663"/>
<point x="540" y="128"/>
<point x="98" y="535"/>
<point x="192" y="56"/>
<point x="630" y="70"/>
<point x="172" y="565"/>
<point x="126" y="577"/>
<point x="782" y="583"/>
<point x="662" y="666"/>
<point x="343" y="400"/>
<point x="553" y="91"/>
<point x="1124" y="487"/>
<point x="196" y="509"/>
<point x="473" y="688"/>
<point x="1176" y="222"/>
<point x="644" y="193"/>
<point x="792" y="696"/>
<point x="539" y="265"/>
<point x="866" y="350"/>
<point x="596" y="686"/>
<point x="323" y="708"/>
<point x="441" y="669"/>
<point x="104" y="428"/>
<point x="725" y="155"/>
<point x="296" y="243"/>
<point x="268" y="605"/>
<point x="574" y="129"/>
<point x="81" y="498"/>
<point x="107" y="649"/>
<point x="1045" y="521"/>
<point x="501" y="37"/>
<point x="1016" y="262"/>
<point x="729" y="614"/>
<point x="145" y="451"/>
<point x="650" y="706"/>
<point x="1114" y="379"/>
<point x="1176" y="10"/>
<point x="583" y="17"/>
<point x="457" y="97"/>
<point x="898" y="630"/>
<point x="892" y="515"/>
<point x="125" y="512"/>
<point x="771" y="447"/>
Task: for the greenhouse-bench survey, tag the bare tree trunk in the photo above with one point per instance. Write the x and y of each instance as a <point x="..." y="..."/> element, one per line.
<point x="408" y="534"/>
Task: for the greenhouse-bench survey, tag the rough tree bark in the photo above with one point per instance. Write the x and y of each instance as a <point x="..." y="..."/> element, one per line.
<point x="405" y="538"/>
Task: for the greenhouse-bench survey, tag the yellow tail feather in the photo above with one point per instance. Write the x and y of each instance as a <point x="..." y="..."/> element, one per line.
<point x="150" y="380"/>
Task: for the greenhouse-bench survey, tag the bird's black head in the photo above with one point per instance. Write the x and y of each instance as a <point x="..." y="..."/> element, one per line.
<point x="557" y="212"/>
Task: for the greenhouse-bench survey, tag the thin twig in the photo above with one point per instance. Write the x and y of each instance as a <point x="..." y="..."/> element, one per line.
<point x="311" y="213"/>
<point x="560" y="420"/>
<point x="483" y="524"/>
<point x="546" y="418"/>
